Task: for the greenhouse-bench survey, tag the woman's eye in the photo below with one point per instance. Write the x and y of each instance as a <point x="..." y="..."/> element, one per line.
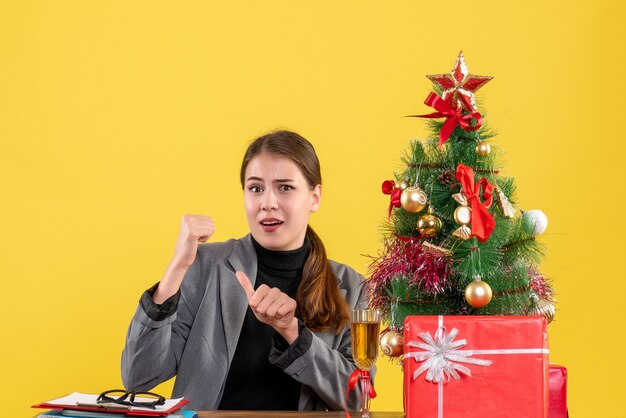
<point x="286" y="187"/>
<point x="254" y="189"/>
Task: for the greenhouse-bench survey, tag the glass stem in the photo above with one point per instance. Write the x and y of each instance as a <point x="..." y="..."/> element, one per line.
<point x="365" y="394"/>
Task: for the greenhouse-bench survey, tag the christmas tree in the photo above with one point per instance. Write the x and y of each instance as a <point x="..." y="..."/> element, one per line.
<point x="454" y="242"/>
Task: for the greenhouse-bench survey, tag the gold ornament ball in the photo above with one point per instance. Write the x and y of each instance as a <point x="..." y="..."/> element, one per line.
<point x="478" y="294"/>
<point x="483" y="149"/>
<point x="402" y="184"/>
<point x="391" y="344"/>
<point x="413" y="199"/>
<point x="463" y="215"/>
<point x="546" y="309"/>
<point x="429" y="225"/>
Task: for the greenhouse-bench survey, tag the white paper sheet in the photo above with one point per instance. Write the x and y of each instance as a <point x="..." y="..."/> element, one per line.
<point x="85" y="398"/>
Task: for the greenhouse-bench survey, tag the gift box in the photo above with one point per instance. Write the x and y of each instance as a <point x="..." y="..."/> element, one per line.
<point x="558" y="392"/>
<point x="475" y="366"/>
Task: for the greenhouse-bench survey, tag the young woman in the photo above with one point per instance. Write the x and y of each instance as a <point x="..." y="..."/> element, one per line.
<point x="260" y="322"/>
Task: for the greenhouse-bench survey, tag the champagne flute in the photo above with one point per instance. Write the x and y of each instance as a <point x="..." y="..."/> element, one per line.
<point x="364" y="327"/>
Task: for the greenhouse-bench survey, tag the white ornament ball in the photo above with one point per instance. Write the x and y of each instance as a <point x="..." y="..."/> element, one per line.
<point x="538" y="219"/>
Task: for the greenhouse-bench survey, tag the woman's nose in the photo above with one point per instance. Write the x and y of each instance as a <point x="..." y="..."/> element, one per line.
<point x="269" y="201"/>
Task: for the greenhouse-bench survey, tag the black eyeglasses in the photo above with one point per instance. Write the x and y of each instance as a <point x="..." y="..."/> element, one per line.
<point x="124" y="397"/>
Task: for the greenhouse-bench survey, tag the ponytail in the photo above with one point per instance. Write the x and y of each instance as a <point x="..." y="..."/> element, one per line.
<point x="320" y="304"/>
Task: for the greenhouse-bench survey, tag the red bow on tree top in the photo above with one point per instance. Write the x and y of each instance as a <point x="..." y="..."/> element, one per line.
<point x="389" y="187"/>
<point x="454" y="117"/>
<point x="482" y="221"/>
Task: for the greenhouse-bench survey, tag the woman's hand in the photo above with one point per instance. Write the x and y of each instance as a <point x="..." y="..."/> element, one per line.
<point x="194" y="229"/>
<point x="272" y="307"/>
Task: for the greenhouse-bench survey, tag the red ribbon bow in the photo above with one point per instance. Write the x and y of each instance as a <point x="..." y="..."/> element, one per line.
<point x="389" y="187"/>
<point x="454" y="117"/>
<point x="482" y="221"/>
<point x="356" y="375"/>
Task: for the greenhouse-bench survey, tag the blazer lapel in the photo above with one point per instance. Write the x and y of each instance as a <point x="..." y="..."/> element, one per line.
<point x="232" y="297"/>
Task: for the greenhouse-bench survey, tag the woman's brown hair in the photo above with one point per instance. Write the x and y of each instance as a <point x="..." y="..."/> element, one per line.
<point x="320" y="304"/>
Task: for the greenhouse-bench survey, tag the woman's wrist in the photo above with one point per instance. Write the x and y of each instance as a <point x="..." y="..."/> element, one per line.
<point x="178" y="263"/>
<point x="290" y="333"/>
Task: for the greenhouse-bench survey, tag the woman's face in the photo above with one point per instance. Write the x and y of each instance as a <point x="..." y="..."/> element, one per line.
<point x="278" y="202"/>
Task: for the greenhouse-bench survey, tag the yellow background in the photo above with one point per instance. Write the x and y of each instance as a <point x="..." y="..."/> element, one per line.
<point x="117" y="117"/>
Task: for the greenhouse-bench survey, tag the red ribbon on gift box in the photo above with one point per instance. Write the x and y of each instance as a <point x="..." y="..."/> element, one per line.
<point x="454" y="117"/>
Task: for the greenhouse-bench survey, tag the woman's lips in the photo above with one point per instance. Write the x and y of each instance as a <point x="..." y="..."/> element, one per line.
<point x="270" y="224"/>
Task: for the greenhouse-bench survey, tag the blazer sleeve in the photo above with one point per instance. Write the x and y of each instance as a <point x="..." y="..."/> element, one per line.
<point x="326" y="369"/>
<point x="153" y="348"/>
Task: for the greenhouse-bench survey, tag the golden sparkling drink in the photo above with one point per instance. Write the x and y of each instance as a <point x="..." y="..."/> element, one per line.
<point x="365" y="343"/>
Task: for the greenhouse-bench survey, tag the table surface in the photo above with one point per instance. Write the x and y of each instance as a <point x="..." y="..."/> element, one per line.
<point x="300" y="414"/>
<point x="282" y="414"/>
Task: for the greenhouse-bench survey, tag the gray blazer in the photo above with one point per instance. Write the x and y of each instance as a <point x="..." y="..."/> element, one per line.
<point x="197" y="343"/>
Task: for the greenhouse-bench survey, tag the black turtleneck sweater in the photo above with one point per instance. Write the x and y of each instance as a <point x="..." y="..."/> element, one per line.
<point x="256" y="379"/>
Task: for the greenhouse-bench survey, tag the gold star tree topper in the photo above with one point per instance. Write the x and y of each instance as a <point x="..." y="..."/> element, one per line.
<point x="459" y="85"/>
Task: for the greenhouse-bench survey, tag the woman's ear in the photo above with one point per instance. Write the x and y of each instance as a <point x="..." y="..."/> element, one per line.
<point x="317" y="198"/>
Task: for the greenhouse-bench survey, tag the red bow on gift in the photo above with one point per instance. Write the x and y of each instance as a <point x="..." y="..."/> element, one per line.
<point x="354" y="378"/>
<point x="454" y="117"/>
<point x="482" y="221"/>
<point x="389" y="187"/>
